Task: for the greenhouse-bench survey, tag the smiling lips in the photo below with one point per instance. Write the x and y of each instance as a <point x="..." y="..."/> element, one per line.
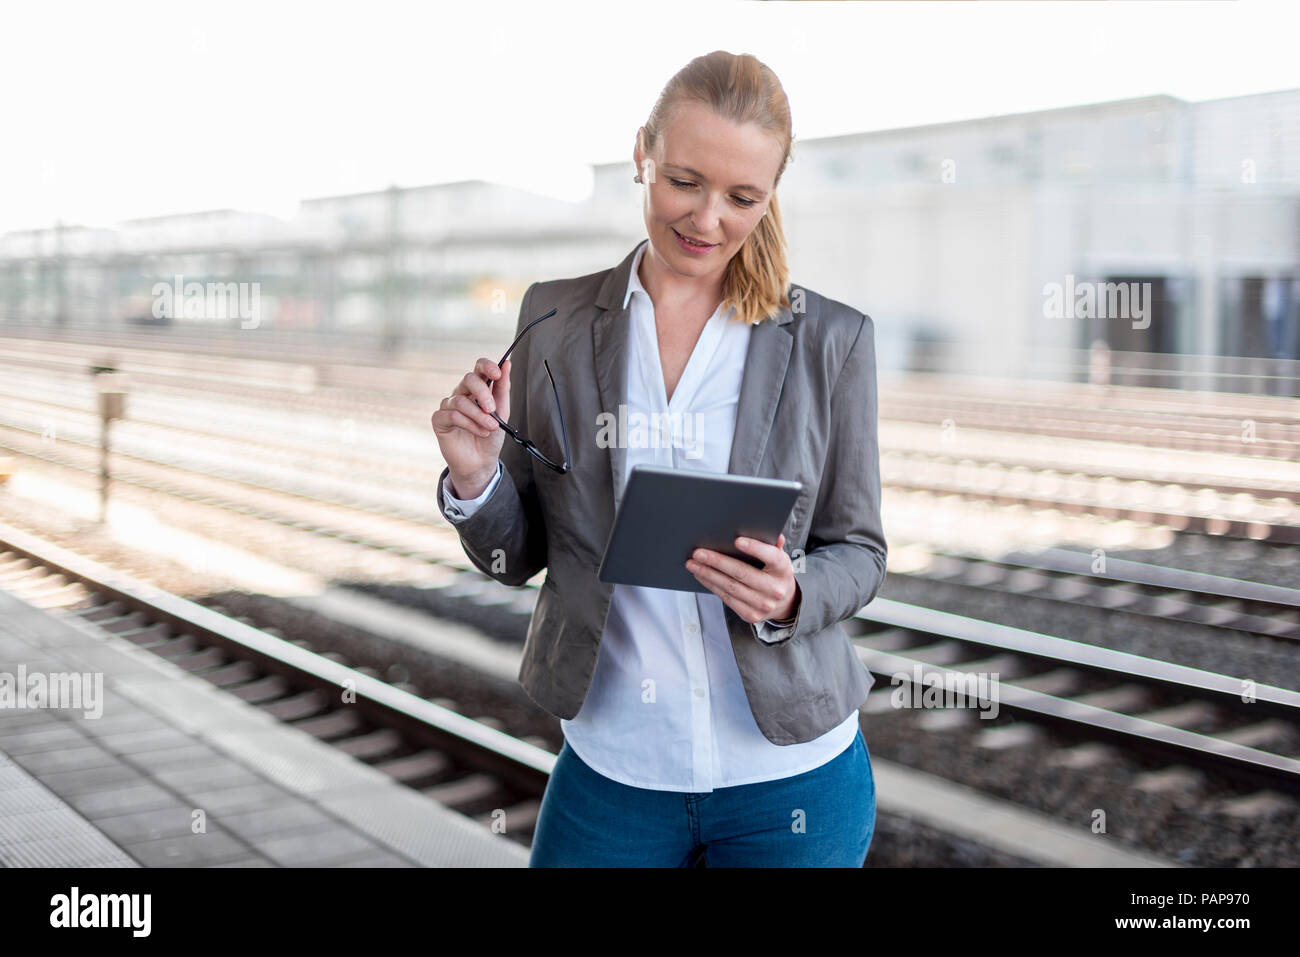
<point x="694" y="242"/>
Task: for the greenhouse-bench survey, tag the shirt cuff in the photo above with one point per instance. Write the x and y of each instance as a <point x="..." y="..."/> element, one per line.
<point x="460" y="509"/>
<point x="770" y="633"/>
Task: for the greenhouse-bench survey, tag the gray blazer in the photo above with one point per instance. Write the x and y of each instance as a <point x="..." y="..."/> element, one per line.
<point x="807" y="411"/>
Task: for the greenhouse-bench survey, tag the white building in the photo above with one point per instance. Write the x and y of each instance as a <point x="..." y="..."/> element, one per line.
<point x="949" y="235"/>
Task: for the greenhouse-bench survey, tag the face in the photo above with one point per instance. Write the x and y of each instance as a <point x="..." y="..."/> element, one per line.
<point x="707" y="179"/>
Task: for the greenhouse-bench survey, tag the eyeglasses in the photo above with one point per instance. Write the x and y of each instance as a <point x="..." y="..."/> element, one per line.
<point x="528" y="445"/>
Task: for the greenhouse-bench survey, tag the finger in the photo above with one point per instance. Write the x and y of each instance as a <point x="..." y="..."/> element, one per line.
<point x="747" y="612"/>
<point x="769" y="555"/>
<point x="731" y="567"/>
<point x="501" y="390"/>
<point x="757" y="578"/>
<point x="488" y="373"/>
<point x="464" y="404"/>
<point x="445" y="420"/>
<point x="757" y="595"/>
<point x="478" y="390"/>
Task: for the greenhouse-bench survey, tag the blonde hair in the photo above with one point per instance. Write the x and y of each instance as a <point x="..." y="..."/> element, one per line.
<point x="742" y="89"/>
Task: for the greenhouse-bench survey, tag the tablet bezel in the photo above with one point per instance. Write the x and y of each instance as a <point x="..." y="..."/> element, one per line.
<point x="773" y="502"/>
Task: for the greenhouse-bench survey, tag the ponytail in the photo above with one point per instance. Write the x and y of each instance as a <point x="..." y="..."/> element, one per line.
<point x="757" y="277"/>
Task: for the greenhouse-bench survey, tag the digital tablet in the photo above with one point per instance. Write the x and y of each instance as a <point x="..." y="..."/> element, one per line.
<point x="665" y="514"/>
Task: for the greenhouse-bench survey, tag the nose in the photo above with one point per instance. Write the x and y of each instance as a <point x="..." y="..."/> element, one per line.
<point x="705" y="216"/>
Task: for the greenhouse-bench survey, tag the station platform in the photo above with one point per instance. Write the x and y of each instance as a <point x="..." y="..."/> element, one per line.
<point x="172" y="772"/>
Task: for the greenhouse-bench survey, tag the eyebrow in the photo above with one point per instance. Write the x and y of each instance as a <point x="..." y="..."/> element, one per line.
<point x="699" y="175"/>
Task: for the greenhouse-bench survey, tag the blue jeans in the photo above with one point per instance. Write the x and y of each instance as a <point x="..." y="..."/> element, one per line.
<point x="820" y="818"/>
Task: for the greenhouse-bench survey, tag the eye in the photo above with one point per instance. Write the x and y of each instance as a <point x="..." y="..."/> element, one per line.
<point x="739" y="200"/>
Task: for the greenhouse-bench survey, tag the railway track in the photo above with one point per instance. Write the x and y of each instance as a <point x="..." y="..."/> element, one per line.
<point x="1262" y="430"/>
<point x="1244" y="425"/>
<point x="470" y="765"/>
<point x="1185" y="716"/>
<point x="1236" y="508"/>
<point x="1248" y="425"/>
<point x="1182" y="717"/>
<point x="1169" y="593"/>
<point x="1056" y="574"/>
<point x="1181" y="501"/>
<point x="1065" y="575"/>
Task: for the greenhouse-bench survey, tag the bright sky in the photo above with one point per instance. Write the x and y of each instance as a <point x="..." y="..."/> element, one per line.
<point x="117" y="110"/>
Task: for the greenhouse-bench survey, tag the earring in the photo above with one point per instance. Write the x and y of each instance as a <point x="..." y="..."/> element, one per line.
<point x="636" y="178"/>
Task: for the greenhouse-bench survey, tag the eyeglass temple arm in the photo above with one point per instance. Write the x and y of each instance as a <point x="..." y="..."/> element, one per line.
<point x="559" y="411"/>
<point x="507" y="353"/>
<point x="564" y="431"/>
<point x="525" y="329"/>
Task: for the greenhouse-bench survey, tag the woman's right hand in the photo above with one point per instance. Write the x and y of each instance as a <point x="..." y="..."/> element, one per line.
<point x="470" y="439"/>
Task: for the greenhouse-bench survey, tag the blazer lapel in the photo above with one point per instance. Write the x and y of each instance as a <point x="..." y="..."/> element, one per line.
<point x="609" y="339"/>
<point x="760" y="390"/>
<point x="760" y="387"/>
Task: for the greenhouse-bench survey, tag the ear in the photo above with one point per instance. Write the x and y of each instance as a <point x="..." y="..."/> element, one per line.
<point x="638" y="149"/>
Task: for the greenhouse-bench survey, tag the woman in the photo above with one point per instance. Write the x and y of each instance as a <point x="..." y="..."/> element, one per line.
<point x="724" y="721"/>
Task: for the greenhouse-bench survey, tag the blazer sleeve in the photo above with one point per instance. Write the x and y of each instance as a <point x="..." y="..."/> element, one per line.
<point x="845" y="558"/>
<point x="505" y="536"/>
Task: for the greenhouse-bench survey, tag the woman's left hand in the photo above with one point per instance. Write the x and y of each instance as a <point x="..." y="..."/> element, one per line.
<point x="755" y="594"/>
